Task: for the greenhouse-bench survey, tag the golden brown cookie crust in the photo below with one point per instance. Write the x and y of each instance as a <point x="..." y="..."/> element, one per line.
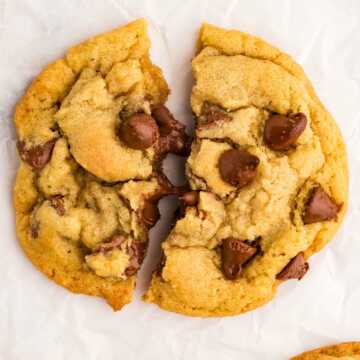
<point x="346" y="350"/>
<point x="191" y="281"/>
<point x="34" y="119"/>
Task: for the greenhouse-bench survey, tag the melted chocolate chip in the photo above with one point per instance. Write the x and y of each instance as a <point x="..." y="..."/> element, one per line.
<point x="139" y="131"/>
<point x="282" y="131"/>
<point x="172" y="133"/>
<point x="150" y="213"/>
<point x="238" y="167"/>
<point x="235" y="253"/>
<point x="38" y="155"/>
<point x="136" y="253"/>
<point x="295" y="269"/>
<point x="190" y="198"/>
<point x="57" y="202"/>
<point x="320" y="207"/>
<point x="166" y="187"/>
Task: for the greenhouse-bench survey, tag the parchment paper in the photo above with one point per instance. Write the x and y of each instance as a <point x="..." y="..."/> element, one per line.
<point x="40" y="320"/>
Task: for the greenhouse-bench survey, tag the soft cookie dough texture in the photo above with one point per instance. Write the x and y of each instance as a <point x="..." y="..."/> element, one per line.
<point x="345" y="351"/>
<point x="248" y="80"/>
<point x="79" y="186"/>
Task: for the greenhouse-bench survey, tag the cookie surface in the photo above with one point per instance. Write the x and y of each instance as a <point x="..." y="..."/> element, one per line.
<point x="92" y="131"/>
<point x="345" y="351"/>
<point x="269" y="180"/>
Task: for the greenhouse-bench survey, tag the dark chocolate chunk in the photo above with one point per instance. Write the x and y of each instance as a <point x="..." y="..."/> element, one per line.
<point x="172" y="133"/>
<point x="295" y="269"/>
<point x="238" y="167"/>
<point x="235" y="253"/>
<point x="320" y="207"/>
<point x="38" y="155"/>
<point x="139" y="131"/>
<point x="282" y="131"/>
<point x="190" y="198"/>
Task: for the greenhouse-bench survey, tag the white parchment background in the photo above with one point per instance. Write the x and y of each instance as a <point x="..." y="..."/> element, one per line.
<point x="40" y="320"/>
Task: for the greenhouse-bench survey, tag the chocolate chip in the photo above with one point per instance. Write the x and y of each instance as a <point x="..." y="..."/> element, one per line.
<point x="36" y="156"/>
<point x="235" y="253"/>
<point x="172" y="133"/>
<point x="131" y="270"/>
<point x="320" y="207"/>
<point x="238" y="167"/>
<point x="282" y="131"/>
<point x="150" y="213"/>
<point x="164" y="119"/>
<point x="57" y="202"/>
<point x="136" y="253"/>
<point x="295" y="269"/>
<point x="190" y="198"/>
<point x="139" y="131"/>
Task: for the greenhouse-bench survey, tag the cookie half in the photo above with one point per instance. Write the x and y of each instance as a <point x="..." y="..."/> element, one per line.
<point x="268" y="175"/>
<point x="92" y="131"/>
<point x="345" y="351"/>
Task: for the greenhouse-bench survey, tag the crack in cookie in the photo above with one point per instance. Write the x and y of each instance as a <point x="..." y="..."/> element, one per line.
<point x="267" y="172"/>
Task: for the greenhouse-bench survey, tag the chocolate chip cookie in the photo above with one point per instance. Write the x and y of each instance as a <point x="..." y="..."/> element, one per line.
<point x="268" y="176"/>
<point x="93" y="129"/>
<point x="345" y="351"/>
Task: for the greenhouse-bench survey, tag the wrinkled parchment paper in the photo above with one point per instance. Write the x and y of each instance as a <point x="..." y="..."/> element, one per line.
<point x="40" y="320"/>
